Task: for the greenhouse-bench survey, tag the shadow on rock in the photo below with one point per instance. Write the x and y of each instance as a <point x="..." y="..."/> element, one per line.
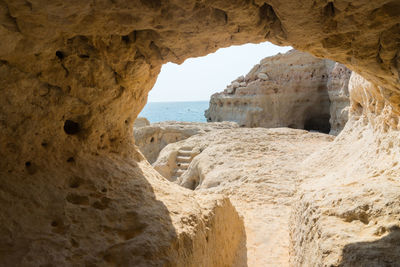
<point x="382" y="252"/>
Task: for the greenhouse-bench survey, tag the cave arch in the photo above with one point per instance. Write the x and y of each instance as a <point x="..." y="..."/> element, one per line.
<point x="96" y="63"/>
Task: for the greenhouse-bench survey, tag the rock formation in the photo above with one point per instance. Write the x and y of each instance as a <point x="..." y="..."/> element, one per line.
<point x="153" y="138"/>
<point x="338" y="91"/>
<point x="258" y="169"/>
<point x="74" y="75"/>
<point x="291" y="90"/>
<point x="141" y="122"/>
<point x="346" y="210"/>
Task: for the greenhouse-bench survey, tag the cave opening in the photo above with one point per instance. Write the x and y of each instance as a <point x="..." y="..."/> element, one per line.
<point x="318" y="123"/>
<point x="183" y="92"/>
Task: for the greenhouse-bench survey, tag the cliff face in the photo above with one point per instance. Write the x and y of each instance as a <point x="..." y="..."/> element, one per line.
<point x="293" y="90"/>
<point x="349" y="190"/>
<point x="74" y="75"/>
<point x="338" y="90"/>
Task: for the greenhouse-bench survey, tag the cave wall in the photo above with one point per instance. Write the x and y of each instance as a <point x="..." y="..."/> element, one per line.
<point x="73" y="77"/>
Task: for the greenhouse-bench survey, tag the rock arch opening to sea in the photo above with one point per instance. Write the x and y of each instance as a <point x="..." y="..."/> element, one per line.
<point x="76" y="191"/>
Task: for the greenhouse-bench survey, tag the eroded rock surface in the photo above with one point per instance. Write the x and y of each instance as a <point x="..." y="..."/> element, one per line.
<point x="293" y="90"/>
<point x="153" y="138"/>
<point x="141" y="122"/>
<point x="346" y="211"/>
<point x="74" y="75"/>
<point x="258" y="170"/>
<point x="338" y="90"/>
<point x="286" y="90"/>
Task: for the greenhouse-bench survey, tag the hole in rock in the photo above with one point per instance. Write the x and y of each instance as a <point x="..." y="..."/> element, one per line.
<point x="71" y="159"/>
<point x="125" y="38"/>
<point x="75" y="182"/>
<point x="78" y="199"/>
<point x="71" y="127"/>
<point x="318" y="123"/>
<point x="60" y="55"/>
<point x="30" y="167"/>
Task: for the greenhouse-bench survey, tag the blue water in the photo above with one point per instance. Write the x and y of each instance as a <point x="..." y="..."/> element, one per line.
<point x="175" y="111"/>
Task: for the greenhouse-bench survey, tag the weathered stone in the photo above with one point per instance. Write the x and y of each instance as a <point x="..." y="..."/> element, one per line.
<point x="294" y="95"/>
<point x="338" y="91"/>
<point x="258" y="169"/>
<point x="141" y="122"/>
<point x="154" y="137"/>
<point x="240" y="79"/>
<point x="235" y="85"/>
<point x="262" y="76"/>
<point x="90" y="198"/>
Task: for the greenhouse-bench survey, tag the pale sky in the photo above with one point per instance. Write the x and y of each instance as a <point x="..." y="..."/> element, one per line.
<point x="198" y="78"/>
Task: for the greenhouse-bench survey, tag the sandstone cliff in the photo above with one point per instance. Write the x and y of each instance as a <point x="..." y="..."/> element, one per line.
<point x="338" y="91"/>
<point x="152" y="138"/>
<point x="74" y="75"/>
<point x="293" y="90"/>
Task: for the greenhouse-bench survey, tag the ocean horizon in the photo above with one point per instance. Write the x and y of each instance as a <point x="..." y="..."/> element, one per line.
<point x="191" y="111"/>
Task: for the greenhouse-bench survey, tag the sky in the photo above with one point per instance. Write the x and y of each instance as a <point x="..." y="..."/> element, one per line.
<point x="198" y="78"/>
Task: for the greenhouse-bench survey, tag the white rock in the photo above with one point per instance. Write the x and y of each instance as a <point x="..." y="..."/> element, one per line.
<point x="235" y="84"/>
<point x="240" y="79"/>
<point x="262" y="76"/>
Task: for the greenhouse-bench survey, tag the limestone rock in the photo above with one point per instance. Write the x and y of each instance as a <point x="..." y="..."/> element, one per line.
<point x="262" y="76"/>
<point x="293" y="94"/>
<point x="153" y="138"/>
<point x="141" y="122"/>
<point x="235" y="85"/>
<point x="240" y="79"/>
<point x="258" y="169"/>
<point x="74" y="75"/>
<point x="350" y="190"/>
<point x="338" y="91"/>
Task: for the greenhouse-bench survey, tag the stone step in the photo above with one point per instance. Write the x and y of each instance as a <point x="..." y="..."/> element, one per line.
<point x="186" y="148"/>
<point x="184" y="152"/>
<point x="181" y="159"/>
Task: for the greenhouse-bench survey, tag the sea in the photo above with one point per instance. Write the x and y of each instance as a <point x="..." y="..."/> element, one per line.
<point x="175" y="111"/>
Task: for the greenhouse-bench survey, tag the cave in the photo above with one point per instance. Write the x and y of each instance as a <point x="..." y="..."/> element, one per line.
<point x="318" y="123"/>
<point x="73" y="73"/>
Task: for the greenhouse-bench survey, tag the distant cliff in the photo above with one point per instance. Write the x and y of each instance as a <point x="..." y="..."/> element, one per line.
<point x="286" y="90"/>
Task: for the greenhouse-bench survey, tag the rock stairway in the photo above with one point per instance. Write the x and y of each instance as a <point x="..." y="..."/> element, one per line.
<point x="183" y="159"/>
